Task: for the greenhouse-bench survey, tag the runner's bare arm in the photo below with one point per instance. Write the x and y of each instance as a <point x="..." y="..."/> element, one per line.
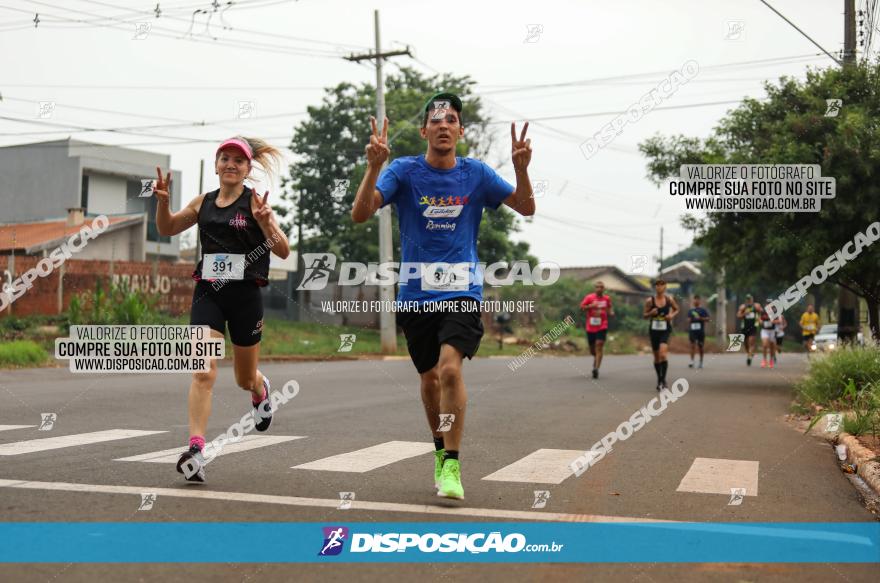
<point x="368" y="200"/>
<point x="673" y="310"/>
<point x="168" y="223"/>
<point x="649" y="311"/>
<point x="275" y="237"/>
<point x="522" y="200"/>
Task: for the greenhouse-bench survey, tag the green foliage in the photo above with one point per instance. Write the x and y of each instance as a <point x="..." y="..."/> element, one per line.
<point x="690" y="253"/>
<point x="21" y="353"/>
<point x="119" y="305"/>
<point x="790" y="127"/>
<point x="865" y="406"/>
<point x="13" y="324"/>
<point x="861" y="408"/>
<point x="329" y="147"/>
<point x="628" y="318"/>
<point x="831" y="374"/>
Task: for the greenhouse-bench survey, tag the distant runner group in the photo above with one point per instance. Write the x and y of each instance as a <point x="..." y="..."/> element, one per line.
<point x="660" y="311"/>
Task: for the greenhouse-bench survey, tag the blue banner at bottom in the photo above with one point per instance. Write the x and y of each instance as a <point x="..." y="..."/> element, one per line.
<point x="436" y="542"/>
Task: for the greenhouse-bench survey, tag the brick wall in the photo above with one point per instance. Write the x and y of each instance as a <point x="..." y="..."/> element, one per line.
<point x="171" y="283"/>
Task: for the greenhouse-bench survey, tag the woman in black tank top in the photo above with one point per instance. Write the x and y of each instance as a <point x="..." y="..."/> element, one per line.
<point x="237" y="232"/>
<point x="659" y="310"/>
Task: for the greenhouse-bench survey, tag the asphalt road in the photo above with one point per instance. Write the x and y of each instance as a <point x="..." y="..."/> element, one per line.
<point x="548" y="406"/>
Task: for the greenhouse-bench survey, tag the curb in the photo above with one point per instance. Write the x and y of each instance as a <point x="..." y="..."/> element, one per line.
<point x="861" y="457"/>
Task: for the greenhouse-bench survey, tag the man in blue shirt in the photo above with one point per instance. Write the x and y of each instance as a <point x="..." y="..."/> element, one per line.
<point x="440" y="199"/>
<point x="697" y="318"/>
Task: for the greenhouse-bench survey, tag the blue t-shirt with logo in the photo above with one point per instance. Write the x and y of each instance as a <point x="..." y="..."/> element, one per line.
<point x="439" y="212"/>
<point x="694" y="315"/>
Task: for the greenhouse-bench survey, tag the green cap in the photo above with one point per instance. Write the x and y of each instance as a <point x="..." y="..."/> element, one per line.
<point x="445" y="95"/>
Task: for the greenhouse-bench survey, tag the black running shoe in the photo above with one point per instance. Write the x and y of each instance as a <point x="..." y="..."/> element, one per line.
<point x="263" y="411"/>
<point x="595" y="373"/>
<point x="191" y="464"/>
<point x="749" y="361"/>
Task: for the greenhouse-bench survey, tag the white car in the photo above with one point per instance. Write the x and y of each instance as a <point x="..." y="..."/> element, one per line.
<point x="826" y="339"/>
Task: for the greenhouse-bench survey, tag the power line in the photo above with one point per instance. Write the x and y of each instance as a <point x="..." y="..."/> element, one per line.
<point x="131" y="129"/>
<point x="582" y="227"/>
<point x="601" y="113"/>
<point x="794" y="26"/>
<point x="243" y="30"/>
<point x="69" y="126"/>
<point x="176" y="35"/>
<point x="632" y="76"/>
<point x="167" y="87"/>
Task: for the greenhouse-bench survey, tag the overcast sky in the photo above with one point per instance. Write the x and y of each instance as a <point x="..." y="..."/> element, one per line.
<point x="280" y="54"/>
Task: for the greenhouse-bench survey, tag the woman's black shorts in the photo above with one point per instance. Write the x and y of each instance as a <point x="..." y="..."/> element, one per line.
<point x="238" y="303"/>
<point x="659" y="337"/>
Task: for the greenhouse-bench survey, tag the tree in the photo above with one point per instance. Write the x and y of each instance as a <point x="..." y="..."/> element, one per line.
<point x="790" y="127"/>
<point x="329" y="147"/>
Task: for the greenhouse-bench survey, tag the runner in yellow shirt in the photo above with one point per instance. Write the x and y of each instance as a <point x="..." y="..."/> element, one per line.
<point x="809" y="327"/>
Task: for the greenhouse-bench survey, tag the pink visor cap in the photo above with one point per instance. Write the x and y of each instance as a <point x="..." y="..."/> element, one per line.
<point x="238" y="144"/>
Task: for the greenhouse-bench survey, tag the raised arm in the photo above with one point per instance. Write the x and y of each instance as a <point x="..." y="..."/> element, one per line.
<point x="168" y="223"/>
<point x="523" y="199"/>
<point x="368" y="200"/>
<point x="265" y="218"/>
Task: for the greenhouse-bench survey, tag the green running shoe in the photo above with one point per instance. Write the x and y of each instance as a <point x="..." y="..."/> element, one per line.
<point x="438" y="466"/>
<point x="450" y="481"/>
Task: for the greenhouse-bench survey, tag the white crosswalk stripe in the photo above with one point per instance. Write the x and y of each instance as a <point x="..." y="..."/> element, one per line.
<point x="719" y="476"/>
<point x="544" y="466"/>
<point x="11" y="427"/>
<point x="370" y="458"/>
<point x="248" y="442"/>
<point x="47" y="443"/>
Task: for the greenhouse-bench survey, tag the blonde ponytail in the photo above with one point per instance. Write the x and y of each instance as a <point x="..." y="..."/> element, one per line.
<point x="266" y="155"/>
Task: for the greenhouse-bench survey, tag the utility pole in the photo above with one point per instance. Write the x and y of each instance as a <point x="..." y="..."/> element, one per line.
<point x="660" y="268"/>
<point x="848" y="320"/>
<point x="849" y="32"/>
<point x="387" y="323"/>
<point x="201" y="191"/>
<point x="721" y="310"/>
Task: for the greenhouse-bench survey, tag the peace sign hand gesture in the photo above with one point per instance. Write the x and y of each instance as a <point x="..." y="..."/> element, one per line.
<point x="263" y="212"/>
<point x="163" y="185"/>
<point x="378" y="150"/>
<point x="522" y="148"/>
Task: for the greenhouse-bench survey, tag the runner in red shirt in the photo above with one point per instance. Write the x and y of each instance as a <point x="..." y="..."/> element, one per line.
<point x="598" y="307"/>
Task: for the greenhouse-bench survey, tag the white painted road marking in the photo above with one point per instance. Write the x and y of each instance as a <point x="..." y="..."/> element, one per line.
<point x="11" y="427"/>
<point x="169" y="456"/>
<point x="545" y="466"/>
<point x="34" y="445"/>
<point x="370" y="458"/>
<point x="717" y="476"/>
<point x="365" y="505"/>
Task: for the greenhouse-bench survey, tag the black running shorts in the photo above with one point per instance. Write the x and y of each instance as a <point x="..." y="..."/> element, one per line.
<point x="238" y="303"/>
<point x="698" y="336"/>
<point x="659" y="337"/>
<point x="460" y="326"/>
<point x="592" y="337"/>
